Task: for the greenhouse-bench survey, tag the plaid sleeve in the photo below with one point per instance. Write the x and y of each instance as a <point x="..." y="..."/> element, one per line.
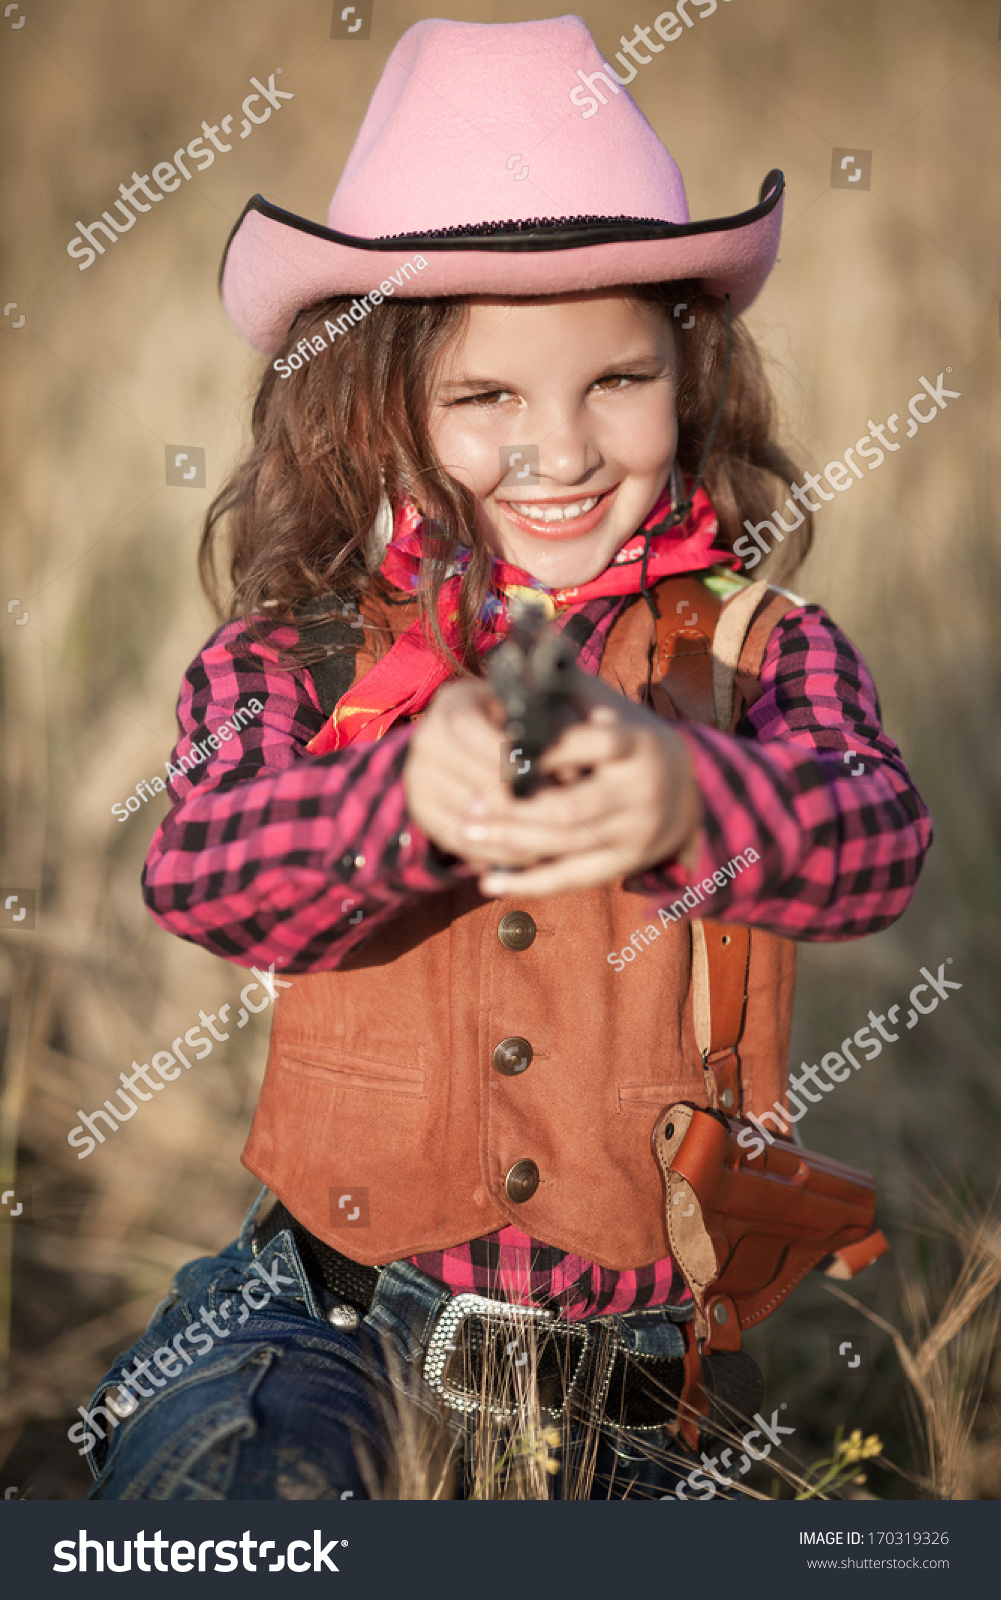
<point x="269" y="854"/>
<point x="812" y="827"/>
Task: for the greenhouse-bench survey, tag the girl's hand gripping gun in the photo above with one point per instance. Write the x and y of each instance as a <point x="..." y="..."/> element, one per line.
<point x="534" y="674"/>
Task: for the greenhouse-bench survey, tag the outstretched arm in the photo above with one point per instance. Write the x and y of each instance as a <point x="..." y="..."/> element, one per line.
<point x="270" y="854"/>
<point x="816" y="788"/>
<point x="804" y="823"/>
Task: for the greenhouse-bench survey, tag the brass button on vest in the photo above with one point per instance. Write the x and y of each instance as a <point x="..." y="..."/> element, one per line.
<point x="512" y="1056"/>
<point x="522" y="1181"/>
<point x="438" y="990"/>
<point x="516" y="930"/>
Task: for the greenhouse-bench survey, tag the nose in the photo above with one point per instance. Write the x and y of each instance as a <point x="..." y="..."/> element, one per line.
<point x="569" y="452"/>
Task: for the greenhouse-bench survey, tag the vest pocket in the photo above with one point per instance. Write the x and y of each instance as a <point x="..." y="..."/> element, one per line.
<point x="356" y="1072"/>
<point x="653" y="1096"/>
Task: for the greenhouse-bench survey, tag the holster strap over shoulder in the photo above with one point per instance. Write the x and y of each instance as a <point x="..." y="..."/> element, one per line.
<point x="706" y="664"/>
<point x="681" y="681"/>
<point x="720" y="956"/>
<point x="745" y="1220"/>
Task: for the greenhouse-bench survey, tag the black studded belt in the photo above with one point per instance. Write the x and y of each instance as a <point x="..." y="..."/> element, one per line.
<point x="347" y="1280"/>
<point x="488" y="1355"/>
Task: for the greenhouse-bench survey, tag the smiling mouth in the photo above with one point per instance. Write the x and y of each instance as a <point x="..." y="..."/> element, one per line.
<point x="563" y="516"/>
<point x="552" y="511"/>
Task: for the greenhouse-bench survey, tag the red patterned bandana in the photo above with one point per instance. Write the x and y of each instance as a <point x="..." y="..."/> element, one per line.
<point x="410" y="673"/>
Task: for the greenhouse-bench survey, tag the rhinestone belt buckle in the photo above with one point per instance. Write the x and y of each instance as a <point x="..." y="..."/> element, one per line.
<point x="498" y="1316"/>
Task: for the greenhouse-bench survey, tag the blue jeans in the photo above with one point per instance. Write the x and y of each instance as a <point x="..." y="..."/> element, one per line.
<point x="283" y="1406"/>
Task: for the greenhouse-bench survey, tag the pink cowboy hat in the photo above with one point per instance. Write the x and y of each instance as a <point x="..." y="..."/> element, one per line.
<point x="510" y="159"/>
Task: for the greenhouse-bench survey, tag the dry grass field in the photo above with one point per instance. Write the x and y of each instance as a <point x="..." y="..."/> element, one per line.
<point x="102" y="612"/>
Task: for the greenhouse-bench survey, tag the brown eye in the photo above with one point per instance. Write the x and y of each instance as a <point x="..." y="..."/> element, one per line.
<point x="485" y="399"/>
<point x="616" y="380"/>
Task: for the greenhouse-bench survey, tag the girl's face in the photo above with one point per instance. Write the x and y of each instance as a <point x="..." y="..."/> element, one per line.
<point x="589" y="381"/>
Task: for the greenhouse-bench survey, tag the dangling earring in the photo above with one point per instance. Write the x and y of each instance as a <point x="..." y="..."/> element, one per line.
<point x="380" y="533"/>
<point x="677" y="485"/>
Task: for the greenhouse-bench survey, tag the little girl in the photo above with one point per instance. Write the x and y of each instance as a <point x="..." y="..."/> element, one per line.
<point x="486" y="386"/>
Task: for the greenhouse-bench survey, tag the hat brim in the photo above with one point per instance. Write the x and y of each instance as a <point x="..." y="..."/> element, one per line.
<point x="275" y="262"/>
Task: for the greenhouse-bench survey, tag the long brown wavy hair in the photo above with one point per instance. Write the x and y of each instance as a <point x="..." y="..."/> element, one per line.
<point x="290" y="524"/>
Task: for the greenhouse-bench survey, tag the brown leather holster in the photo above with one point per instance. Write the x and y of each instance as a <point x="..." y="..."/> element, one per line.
<point x="746" y="1216"/>
<point x="747" y="1220"/>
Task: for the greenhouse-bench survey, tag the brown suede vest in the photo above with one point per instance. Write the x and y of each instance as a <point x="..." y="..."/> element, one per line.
<point x="389" y="1122"/>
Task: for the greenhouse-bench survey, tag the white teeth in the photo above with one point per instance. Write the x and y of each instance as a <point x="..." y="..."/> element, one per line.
<point x="545" y="513"/>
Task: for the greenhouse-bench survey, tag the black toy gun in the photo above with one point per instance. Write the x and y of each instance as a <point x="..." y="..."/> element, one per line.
<point x="534" y="674"/>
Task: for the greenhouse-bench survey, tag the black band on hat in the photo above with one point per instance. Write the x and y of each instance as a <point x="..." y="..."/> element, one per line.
<point x="535" y="234"/>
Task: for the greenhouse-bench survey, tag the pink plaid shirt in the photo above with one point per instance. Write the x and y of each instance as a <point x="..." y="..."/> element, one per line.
<point x="268" y="853"/>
